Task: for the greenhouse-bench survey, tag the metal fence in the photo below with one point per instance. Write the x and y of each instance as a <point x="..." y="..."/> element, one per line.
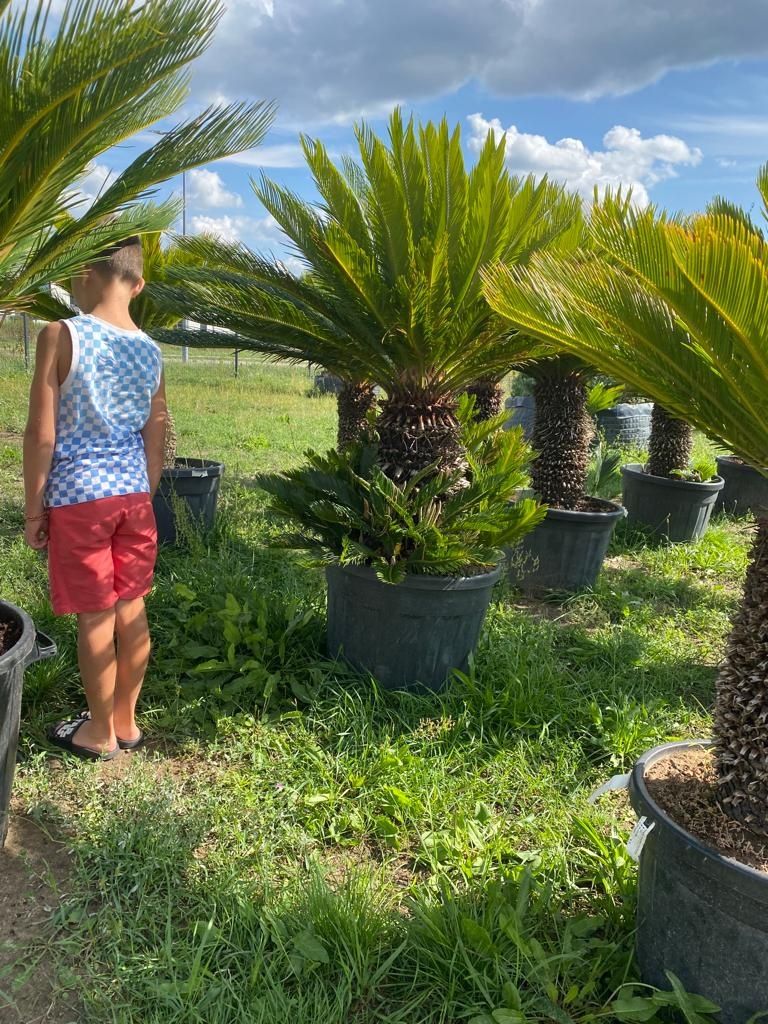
<point x="17" y="348"/>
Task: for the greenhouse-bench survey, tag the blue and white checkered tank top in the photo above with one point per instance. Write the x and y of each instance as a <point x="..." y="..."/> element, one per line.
<point x="103" y="405"/>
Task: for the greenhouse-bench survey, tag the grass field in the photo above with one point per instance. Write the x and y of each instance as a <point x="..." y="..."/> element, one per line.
<point x="306" y="848"/>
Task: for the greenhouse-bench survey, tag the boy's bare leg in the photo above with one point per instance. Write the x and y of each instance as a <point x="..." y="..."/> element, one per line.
<point x="98" y="670"/>
<point x="132" y="657"/>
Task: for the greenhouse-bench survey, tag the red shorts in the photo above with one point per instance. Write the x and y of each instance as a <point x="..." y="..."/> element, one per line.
<point x="101" y="552"/>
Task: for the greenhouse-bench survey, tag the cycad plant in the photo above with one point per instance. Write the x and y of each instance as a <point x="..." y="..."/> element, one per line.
<point x="349" y="511"/>
<point x="679" y="310"/>
<point x="70" y="90"/>
<point x="392" y="294"/>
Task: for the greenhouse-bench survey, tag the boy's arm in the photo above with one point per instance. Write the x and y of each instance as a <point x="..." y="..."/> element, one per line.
<point x="40" y="433"/>
<point x="153" y="436"/>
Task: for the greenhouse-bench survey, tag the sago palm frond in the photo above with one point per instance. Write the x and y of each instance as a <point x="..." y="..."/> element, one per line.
<point x="393" y="253"/>
<point x="678" y="309"/>
<point x="68" y="93"/>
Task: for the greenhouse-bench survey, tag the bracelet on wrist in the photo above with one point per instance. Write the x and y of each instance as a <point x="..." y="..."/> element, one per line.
<point x="34" y="519"/>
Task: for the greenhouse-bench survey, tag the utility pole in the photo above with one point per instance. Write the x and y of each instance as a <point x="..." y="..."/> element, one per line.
<point x="25" y="329"/>
<point x="184" y="348"/>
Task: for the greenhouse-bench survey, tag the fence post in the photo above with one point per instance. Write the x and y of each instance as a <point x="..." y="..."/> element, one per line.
<point x="25" y="330"/>
<point x="237" y="361"/>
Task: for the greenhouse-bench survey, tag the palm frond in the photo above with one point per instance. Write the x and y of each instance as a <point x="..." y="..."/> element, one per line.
<point x="110" y="69"/>
<point x="392" y="291"/>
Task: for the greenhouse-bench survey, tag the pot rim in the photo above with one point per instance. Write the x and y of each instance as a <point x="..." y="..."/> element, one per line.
<point x="23" y="646"/>
<point x="193" y="468"/>
<point x="636" y="469"/>
<point x="614" y="510"/>
<point x="638" y="790"/>
<point x="415" y="581"/>
<point x="738" y="463"/>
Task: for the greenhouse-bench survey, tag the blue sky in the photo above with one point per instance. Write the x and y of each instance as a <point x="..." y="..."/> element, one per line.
<point x="669" y="97"/>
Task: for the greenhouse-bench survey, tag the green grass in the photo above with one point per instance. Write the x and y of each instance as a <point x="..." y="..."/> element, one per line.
<point x="308" y="848"/>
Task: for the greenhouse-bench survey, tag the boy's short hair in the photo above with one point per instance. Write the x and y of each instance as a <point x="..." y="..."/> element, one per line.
<point x="124" y="261"/>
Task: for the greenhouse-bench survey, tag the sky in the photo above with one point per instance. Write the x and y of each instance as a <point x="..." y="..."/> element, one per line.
<point x="668" y="96"/>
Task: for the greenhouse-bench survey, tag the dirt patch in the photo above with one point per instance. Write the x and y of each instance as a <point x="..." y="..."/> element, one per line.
<point x="685" y="786"/>
<point x="34" y="869"/>
<point x="10" y="634"/>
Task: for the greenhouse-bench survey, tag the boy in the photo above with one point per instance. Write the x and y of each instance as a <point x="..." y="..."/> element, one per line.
<point x="93" y="455"/>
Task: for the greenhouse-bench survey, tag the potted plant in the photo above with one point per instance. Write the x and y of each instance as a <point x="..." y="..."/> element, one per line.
<point x="668" y="496"/>
<point x="745" y="489"/>
<point x="567" y="549"/>
<point x="20" y="646"/>
<point x="188" y="487"/>
<point x="393" y="295"/>
<point x="678" y="310"/>
<point x="410" y="566"/>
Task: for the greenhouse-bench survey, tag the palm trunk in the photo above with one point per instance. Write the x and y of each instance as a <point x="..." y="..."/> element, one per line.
<point x="169" y="456"/>
<point x="561" y="434"/>
<point x="489" y="398"/>
<point x="353" y="404"/>
<point x="670" y="445"/>
<point x="415" y="434"/>
<point x="741" y="709"/>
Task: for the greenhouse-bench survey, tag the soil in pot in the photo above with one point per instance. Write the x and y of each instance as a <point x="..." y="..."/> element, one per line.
<point x="685" y="786"/>
<point x="10" y="634"/>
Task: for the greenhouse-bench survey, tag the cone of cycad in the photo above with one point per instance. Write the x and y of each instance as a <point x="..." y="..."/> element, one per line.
<point x="670" y="444"/>
<point x="678" y="311"/>
<point x="392" y="292"/>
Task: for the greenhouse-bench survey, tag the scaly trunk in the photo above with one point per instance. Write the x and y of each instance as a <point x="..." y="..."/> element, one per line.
<point x="169" y="458"/>
<point x="561" y="435"/>
<point x="353" y="404"/>
<point x="741" y="708"/>
<point x="489" y="398"/>
<point x="670" y="444"/>
<point x="415" y="434"/>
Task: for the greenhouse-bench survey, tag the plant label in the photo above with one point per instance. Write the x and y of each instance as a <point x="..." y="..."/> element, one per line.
<point x="637" y="839"/>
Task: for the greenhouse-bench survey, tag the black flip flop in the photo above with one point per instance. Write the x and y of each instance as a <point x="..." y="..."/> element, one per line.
<point x="123" y="744"/>
<point x="62" y="734"/>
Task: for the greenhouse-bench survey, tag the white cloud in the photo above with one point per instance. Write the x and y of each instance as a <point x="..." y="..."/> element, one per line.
<point x="288" y="154"/>
<point x="628" y="159"/>
<point x="330" y="59"/>
<point x="88" y="188"/>
<point x="257" y="232"/>
<point x="205" y="189"/>
<point x="722" y="162"/>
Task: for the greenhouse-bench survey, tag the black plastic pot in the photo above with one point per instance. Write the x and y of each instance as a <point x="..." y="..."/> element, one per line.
<point x="195" y="483"/>
<point x="700" y="915"/>
<point x="522" y="413"/>
<point x="679" y="510"/>
<point x="745" y="489"/>
<point x="31" y="646"/>
<point x="626" y="424"/>
<point x="565" y="551"/>
<point x="328" y="384"/>
<point x="409" y="635"/>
